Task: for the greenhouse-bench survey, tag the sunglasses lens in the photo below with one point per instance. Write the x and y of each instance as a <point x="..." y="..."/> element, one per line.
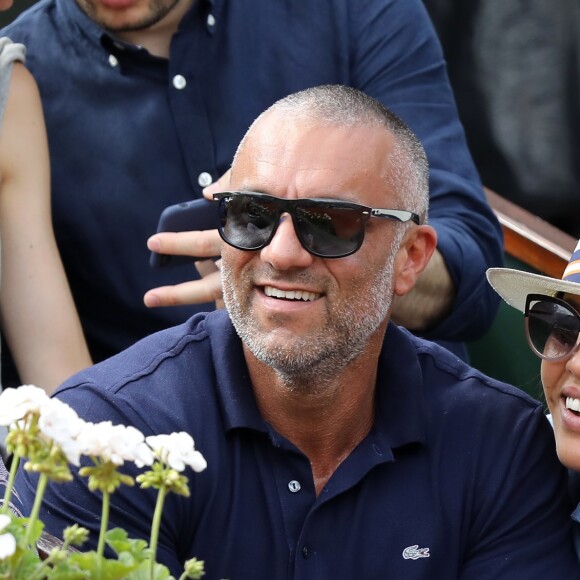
<point x="247" y="223"/>
<point x="552" y="329"/>
<point x="328" y="231"/>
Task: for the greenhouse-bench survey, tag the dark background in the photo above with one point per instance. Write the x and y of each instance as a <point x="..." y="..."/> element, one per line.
<point x="9" y="15"/>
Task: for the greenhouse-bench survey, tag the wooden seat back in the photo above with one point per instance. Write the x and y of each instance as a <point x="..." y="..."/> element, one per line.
<point x="534" y="245"/>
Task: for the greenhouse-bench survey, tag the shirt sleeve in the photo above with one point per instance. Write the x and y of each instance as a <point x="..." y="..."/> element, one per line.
<point x="397" y="59"/>
<point x="521" y="526"/>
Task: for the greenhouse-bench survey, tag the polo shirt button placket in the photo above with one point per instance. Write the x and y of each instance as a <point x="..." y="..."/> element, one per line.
<point x="294" y="486"/>
<point x="204" y="179"/>
<point x="179" y="82"/>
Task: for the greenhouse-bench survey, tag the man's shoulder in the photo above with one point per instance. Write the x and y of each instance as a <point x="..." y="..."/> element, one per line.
<point x="184" y="348"/>
<point x="165" y="382"/>
<point x="445" y="374"/>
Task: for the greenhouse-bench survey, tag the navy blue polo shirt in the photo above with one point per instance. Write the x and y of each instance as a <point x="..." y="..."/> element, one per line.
<point x="130" y="133"/>
<point x="458" y="477"/>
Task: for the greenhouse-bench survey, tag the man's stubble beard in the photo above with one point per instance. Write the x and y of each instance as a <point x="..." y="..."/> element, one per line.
<point x="309" y="363"/>
<point x="158" y="11"/>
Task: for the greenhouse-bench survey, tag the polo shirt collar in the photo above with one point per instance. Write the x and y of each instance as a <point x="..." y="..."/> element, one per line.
<point x="400" y="405"/>
<point x="400" y="417"/>
<point x="233" y="385"/>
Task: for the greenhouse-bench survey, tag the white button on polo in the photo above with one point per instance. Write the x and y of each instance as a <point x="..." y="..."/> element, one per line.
<point x="113" y="60"/>
<point x="204" y="179"/>
<point x="294" y="486"/>
<point x="179" y="82"/>
<point x="211" y="20"/>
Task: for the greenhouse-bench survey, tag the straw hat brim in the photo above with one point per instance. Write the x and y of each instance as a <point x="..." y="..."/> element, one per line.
<point x="514" y="285"/>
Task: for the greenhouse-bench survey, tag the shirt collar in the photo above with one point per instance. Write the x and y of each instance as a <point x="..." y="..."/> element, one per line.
<point x="400" y="407"/>
<point x="400" y="403"/>
<point x="232" y="377"/>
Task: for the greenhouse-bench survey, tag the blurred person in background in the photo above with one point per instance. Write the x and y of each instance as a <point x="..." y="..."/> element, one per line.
<point x="39" y="319"/>
<point x="146" y="102"/>
<point x="515" y="69"/>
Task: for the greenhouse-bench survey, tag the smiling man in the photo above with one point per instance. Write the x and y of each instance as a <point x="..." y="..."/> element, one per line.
<point x="161" y="93"/>
<point x="338" y="444"/>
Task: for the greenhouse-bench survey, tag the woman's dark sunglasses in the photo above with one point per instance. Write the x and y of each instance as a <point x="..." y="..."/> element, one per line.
<point x="552" y="327"/>
<point x="326" y="228"/>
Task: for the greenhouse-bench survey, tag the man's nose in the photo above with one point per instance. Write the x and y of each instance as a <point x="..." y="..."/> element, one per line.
<point x="285" y="250"/>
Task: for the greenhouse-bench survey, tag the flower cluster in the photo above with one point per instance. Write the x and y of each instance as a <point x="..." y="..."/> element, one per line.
<point x="51" y="436"/>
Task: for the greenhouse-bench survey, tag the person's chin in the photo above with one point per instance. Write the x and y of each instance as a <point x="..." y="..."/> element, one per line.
<point x="568" y="449"/>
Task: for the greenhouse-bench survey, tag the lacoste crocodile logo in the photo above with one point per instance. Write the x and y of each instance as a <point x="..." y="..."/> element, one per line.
<point x="414" y="553"/>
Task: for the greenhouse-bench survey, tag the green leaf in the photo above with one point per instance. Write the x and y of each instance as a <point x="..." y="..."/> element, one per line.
<point x="109" y="569"/>
<point x="160" y="572"/>
<point x="67" y="571"/>
<point x="120" y="542"/>
<point x="18" y="527"/>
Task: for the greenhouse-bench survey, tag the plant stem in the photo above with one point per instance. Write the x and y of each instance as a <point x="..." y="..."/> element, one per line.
<point x="155" y="525"/>
<point x="10" y="484"/>
<point x="104" y="524"/>
<point x="39" y="572"/>
<point x="42" y="481"/>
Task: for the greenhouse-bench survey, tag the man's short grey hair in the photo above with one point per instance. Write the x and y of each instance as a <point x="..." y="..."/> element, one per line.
<point x="345" y="107"/>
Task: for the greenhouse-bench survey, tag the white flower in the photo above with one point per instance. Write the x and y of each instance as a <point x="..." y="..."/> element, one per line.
<point x="115" y="443"/>
<point x="60" y="423"/>
<point x="17" y="403"/>
<point x="177" y="450"/>
<point x="7" y="541"/>
<point x="128" y="444"/>
<point x="94" y="439"/>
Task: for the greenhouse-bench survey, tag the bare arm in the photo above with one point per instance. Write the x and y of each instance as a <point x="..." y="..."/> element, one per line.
<point x="39" y="318"/>
<point x="430" y="300"/>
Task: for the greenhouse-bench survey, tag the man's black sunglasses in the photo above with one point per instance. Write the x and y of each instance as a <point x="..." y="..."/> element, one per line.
<point x="552" y="327"/>
<point x="325" y="227"/>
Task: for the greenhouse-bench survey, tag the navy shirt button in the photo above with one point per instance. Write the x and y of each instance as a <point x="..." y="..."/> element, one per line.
<point x="179" y="82"/>
<point x="204" y="179"/>
<point x="305" y="552"/>
<point x="210" y="20"/>
<point x="113" y="60"/>
<point x="294" y="486"/>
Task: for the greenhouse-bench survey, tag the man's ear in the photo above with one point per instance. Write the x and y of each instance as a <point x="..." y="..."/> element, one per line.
<point x="413" y="256"/>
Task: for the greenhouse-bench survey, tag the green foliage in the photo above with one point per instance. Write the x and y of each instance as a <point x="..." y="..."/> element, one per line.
<point x="50" y="435"/>
<point x="162" y="476"/>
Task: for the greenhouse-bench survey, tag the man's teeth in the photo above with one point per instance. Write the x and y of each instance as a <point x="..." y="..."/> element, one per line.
<point x="291" y="294"/>
<point x="573" y="404"/>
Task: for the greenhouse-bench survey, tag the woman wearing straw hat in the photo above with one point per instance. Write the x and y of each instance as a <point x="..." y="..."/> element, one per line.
<point x="552" y="317"/>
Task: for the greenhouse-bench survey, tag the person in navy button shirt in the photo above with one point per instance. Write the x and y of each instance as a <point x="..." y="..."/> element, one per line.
<point x="338" y="444"/>
<point x="146" y="103"/>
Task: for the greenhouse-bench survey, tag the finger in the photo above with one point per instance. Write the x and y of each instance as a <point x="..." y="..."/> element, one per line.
<point x="196" y="244"/>
<point x="222" y="184"/>
<point x="207" y="289"/>
<point x="207" y="268"/>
